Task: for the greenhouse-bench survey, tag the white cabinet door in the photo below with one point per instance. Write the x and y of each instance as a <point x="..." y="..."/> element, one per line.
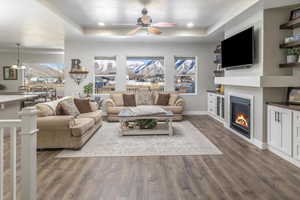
<point x="296" y="135"/>
<point x="285" y="119"/>
<point x="280" y="129"/>
<point x="274" y="128"/>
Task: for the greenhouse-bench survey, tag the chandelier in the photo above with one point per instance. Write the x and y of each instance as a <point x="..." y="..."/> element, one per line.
<point x="19" y="64"/>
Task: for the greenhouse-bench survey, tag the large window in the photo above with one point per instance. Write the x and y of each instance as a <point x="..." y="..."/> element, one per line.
<point x="105" y="75"/>
<point x="185" y="75"/>
<point x="146" y="72"/>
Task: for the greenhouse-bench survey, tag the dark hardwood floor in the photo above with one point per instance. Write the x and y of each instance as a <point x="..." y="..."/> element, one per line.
<point x="242" y="172"/>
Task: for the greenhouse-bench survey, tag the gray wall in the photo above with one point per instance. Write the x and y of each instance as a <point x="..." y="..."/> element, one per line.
<point x="87" y="50"/>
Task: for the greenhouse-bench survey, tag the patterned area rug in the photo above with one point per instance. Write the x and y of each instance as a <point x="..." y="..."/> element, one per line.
<point x="107" y="142"/>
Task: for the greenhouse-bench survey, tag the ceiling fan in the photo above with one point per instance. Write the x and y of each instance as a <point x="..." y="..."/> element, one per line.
<point x="145" y="23"/>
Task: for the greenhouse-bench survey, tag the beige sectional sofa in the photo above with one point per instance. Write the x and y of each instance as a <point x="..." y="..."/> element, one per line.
<point x="65" y="131"/>
<point x="113" y="105"/>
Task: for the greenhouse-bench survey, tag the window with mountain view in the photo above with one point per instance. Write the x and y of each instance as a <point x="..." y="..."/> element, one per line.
<point x="44" y="77"/>
<point x="146" y="72"/>
<point x="185" y="75"/>
<point x="105" y="75"/>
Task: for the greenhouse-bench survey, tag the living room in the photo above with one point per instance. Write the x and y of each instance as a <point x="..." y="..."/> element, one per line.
<point x="149" y="99"/>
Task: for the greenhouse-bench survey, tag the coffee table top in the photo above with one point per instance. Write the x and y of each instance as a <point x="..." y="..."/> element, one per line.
<point x="129" y="113"/>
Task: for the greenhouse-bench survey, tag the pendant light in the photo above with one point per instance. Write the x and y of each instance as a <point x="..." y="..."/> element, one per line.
<point x="19" y="64"/>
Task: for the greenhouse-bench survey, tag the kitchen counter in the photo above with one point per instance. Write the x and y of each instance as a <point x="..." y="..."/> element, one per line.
<point x="285" y="105"/>
<point x="4" y="99"/>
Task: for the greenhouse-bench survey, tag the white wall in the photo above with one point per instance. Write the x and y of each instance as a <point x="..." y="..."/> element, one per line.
<point x="10" y="58"/>
<point x="87" y="50"/>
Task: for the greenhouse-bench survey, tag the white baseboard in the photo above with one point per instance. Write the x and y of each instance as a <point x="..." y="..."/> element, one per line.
<point x="195" y="113"/>
<point x="257" y="143"/>
<point x="284" y="156"/>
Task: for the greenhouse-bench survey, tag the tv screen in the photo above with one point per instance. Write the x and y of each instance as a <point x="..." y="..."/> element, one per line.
<point x="238" y="50"/>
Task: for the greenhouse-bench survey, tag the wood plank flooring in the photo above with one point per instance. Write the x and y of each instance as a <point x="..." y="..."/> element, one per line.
<point x="242" y="172"/>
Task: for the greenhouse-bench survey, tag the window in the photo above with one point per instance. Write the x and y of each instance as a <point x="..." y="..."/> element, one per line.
<point x="44" y="77"/>
<point x="146" y="72"/>
<point x="105" y="75"/>
<point x="185" y="75"/>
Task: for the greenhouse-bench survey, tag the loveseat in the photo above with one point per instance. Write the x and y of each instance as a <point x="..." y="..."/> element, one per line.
<point x="57" y="130"/>
<point x="115" y="103"/>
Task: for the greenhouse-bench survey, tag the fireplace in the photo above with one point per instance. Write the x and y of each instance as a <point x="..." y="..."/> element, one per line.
<point x="240" y="119"/>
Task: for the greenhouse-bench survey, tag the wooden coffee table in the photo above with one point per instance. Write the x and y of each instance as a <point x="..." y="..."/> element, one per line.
<point x="164" y="126"/>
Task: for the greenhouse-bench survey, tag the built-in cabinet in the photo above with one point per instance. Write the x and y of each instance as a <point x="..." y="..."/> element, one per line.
<point x="284" y="132"/>
<point x="215" y="105"/>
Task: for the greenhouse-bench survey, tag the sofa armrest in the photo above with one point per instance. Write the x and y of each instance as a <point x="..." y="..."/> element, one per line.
<point x="58" y="122"/>
<point x="109" y="102"/>
<point x="179" y="102"/>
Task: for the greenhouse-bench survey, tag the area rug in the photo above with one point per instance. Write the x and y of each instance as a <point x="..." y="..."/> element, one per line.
<point x="107" y="142"/>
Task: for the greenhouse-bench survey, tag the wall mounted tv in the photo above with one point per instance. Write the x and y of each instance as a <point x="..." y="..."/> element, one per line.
<point x="238" y="50"/>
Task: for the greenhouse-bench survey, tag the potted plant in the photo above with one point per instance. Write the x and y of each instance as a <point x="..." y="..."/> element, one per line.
<point x="292" y="55"/>
<point x="88" y="89"/>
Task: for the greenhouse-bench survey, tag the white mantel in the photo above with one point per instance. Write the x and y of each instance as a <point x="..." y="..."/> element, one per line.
<point x="259" y="81"/>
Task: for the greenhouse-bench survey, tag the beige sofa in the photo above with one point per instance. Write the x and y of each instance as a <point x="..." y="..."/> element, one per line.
<point x="63" y="131"/>
<point x="113" y="106"/>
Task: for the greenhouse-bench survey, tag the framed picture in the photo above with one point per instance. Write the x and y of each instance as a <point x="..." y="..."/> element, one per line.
<point x="295" y="14"/>
<point x="294" y="95"/>
<point x="10" y="74"/>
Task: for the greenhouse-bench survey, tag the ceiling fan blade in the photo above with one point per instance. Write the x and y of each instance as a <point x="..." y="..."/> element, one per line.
<point x="155" y="31"/>
<point x="134" y="31"/>
<point x="164" y="24"/>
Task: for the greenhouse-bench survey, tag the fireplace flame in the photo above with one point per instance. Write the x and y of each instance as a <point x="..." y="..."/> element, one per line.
<point x="241" y="119"/>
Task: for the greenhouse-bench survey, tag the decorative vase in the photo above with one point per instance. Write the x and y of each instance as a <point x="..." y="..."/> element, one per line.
<point x="291" y="59"/>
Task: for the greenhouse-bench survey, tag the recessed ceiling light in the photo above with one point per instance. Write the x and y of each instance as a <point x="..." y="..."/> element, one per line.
<point x="101" y="24"/>
<point x="190" y="25"/>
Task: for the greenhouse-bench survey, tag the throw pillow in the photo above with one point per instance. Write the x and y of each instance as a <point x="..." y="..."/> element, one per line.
<point x="118" y="99"/>
<point x="44" y="110"/>
<point x="83" y="105"/>
<point x="129" y="100"/>
<point x="163" y="99"/>
<point x="59" y="110"/>
<point x="144" y="98"/>
<point x="69" y="108"/>
<point x="173" y="98"/>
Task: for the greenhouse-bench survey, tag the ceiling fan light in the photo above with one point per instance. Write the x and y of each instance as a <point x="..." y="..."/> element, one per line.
<point x="190" y="25"/>
<point x="14" y="67"/>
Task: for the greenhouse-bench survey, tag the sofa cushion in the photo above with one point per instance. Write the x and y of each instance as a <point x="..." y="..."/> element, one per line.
<point x="83" y="105"/>
<point x="96" y="116"/>
<point x="81" y="126"/>
<point x="174" y="109"/>
<point x="69" y="108"/>
<point x="44" y="110"/>
<point x="115" y="110"/>
<point x="163" y="99"/>
<point x="118" y="99"/>
<point x="129" y="99"/>
<point x="144" y="97"/>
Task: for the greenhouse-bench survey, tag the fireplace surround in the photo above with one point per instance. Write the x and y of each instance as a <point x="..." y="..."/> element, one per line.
<point x="240" y="115"/>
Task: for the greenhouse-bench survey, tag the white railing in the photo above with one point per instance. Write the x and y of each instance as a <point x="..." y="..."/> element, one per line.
<point x="28" y="132"/>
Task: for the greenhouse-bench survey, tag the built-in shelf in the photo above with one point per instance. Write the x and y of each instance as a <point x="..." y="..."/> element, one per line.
<point x="291" y="24"/>
<point x="290" y="45"/>
<point x="290" y="65"/>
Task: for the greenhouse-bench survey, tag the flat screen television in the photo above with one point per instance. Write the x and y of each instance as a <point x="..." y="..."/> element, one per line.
<point x="238" y="50"/>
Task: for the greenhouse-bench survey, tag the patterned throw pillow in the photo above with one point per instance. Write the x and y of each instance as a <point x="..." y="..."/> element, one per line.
<point x="44" y="110"/>
<point x="83" y="105"/>
<point x="118" y="99"/>
<point x="163" y="99"/>
<point x="144" y="98"/>
<point x="69" y="108"/>
<point x="173" y="98"/>
<point x="129" y="100"/>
